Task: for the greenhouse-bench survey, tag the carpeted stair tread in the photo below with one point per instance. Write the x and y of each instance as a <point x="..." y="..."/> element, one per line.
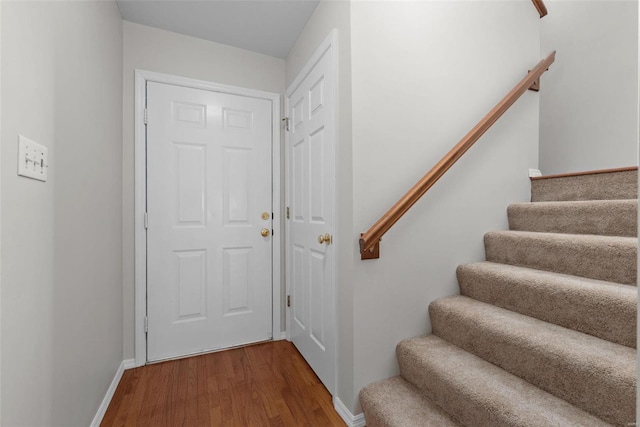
<point x="597" y="186"/>
<point x="593" y="374"/>
<point x="609" y="258"/>
<point x="479" y="394"/>
<point x="606" y="310"/>
<point x="396" y="403"/>
<point x="544" y="332"/>
<point x="602" y="217"/>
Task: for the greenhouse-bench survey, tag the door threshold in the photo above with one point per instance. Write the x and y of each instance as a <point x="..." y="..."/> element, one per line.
<point x="202" y="353"/>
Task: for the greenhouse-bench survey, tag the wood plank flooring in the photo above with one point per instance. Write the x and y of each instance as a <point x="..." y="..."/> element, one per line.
<point x="267" y="384"/>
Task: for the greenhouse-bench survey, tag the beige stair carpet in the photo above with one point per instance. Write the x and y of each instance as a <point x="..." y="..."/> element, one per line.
<point x="605" y="310"/>
<point x="402" y="404"/>
<point x="477" y="393"/>
<point x="595" y="186"/>
<point x="595" y="375"/>
<point x="544" y="331"/>
<point x="603" y="217"/>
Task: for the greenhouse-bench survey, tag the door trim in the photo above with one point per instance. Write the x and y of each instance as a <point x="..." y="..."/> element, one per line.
<point x="140" y="280"/>
<point x="330" y="42"/>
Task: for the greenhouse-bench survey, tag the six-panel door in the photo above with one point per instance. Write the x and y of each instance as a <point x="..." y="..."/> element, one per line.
<point x="311" y="195"/>
<point x="209" y="193"/>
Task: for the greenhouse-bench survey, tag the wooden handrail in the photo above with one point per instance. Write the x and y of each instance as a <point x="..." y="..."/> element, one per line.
<point x="369" y="241"/>
<point x="542" y="9"/>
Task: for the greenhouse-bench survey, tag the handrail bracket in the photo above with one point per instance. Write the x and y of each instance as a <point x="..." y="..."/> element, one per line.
<point x="371" y="253"/>
<point x="535" y="86"/>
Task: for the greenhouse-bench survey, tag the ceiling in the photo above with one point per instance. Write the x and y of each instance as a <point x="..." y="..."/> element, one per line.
<point x="270" y="27"/>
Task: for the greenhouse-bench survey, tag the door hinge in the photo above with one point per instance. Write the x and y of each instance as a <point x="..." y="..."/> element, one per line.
<point x="288" y="212"/>
<point x="146" y="220"/>
<point x="288" y="300"/>
<point x="146" y="323"/>
<point x="146" y="116"/>
<point x="286" y="123"/>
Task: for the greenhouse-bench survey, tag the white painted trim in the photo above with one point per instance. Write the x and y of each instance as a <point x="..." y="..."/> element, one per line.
<point x="129" y="363"/>
<point x="283" y="335"/>
<point x="332" y="39"/>
<point x="141" y="77"/>
<point x="104" y="405"/>
<point x="140" y="250"/>
<point x="533" y="173"/>
<point x="277" y="240"/>
<point x="330" y="42"/>
<point x="287" y="285"/>
<point x="287" y="180"/>
<point x="346" y="415"/>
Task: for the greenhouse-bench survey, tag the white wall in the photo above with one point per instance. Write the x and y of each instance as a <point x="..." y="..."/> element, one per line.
<point x="414" y="77"/>
<point x="61" y="241"/>
<point x="423" y="74"/>
<point x="162" y="51"/>
<point x="589" y="104"/>
<point x="328" y="15"/>
<point x="0" y="216"/>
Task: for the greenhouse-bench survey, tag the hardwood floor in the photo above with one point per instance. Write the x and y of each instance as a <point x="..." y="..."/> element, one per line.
<point x="266" y="384"/>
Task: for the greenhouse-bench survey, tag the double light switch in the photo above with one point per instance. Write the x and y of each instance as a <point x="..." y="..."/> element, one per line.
<point x="33" y="159"/>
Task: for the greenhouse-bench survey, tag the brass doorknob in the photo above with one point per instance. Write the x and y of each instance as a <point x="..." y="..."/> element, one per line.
<point x="265" y="232"/>
<point x="325" y="239"/>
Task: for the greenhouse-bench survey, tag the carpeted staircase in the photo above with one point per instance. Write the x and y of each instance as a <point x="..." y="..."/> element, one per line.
<point x="544" y="332"/>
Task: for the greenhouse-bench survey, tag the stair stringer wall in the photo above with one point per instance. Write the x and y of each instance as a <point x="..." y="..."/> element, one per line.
<point x="423" y="74"/>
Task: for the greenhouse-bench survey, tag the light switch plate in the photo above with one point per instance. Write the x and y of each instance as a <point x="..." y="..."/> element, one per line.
<point x="33" y="159"/>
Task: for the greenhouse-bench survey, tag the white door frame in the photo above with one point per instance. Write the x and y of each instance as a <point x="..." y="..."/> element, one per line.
<point x="141" y="196"/>
<point x="331" y="42"/>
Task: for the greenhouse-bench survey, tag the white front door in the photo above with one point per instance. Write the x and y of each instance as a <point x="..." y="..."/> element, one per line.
<point x="310" y="147"/>
<point x="209" y="244"/>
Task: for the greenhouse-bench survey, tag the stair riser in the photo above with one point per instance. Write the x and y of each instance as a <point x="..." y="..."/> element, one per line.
<point x="613" y="260"/>
<point x="602" y="186"/>
<point x="542" y="335"/>
<point x="479" y="393"/>
<point x="450" y="396"/>
<point x="588" y="384"/>
<point x="601" y="309"/>
<point x="395" y="403"/>
<point x="608" y="218"/>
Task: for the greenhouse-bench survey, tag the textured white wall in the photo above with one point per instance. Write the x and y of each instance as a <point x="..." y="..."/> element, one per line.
<point x="328" y="15"/>
<point x="589" y="102"/>
<point x="162" y="51"/>
<point x="61" y="258"/>
<point x="423" y="74"/>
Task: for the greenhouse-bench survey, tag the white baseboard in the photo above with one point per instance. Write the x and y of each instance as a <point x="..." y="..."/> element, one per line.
<point x="129" y="363"/>
<point x="346" y="415"/>
<point x="125" y="364"/>
<point x="283" y="335"/>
